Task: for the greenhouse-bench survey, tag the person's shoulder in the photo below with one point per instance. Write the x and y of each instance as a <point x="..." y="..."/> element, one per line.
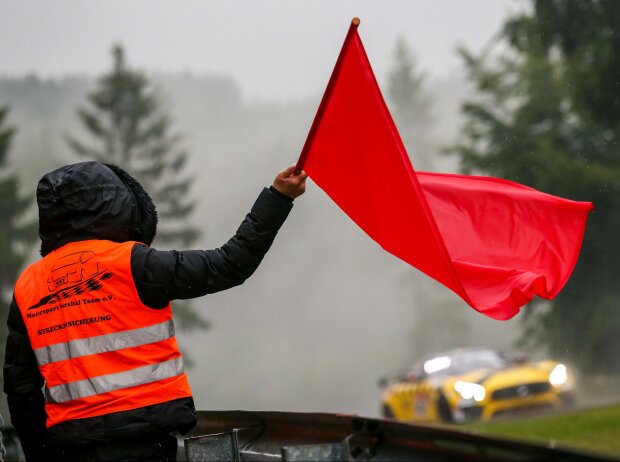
<point x="139" y="250"/>
<point x="28" y="270"/>
<point x="144" y="257"/>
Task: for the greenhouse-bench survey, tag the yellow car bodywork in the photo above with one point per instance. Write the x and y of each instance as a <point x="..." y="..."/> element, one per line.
<point x="506" y="389"/>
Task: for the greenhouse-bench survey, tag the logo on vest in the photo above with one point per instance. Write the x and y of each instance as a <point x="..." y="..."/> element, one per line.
<point x="73" y="275"/>
<point x="74" y="267"/>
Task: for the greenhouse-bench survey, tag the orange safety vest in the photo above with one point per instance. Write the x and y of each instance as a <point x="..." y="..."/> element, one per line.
<point x="99" y="349"/>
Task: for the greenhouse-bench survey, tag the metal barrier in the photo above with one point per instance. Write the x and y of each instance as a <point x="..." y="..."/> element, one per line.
<point x="215" y="447"/>
<point x="312" y="437"/>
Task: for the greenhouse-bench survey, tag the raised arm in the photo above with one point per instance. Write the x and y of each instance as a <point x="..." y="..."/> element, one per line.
<point x="162" y="276"/>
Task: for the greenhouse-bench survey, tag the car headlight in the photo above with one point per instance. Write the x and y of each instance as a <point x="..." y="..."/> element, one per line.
<point x="469" y="390"/>
<point x="559" y="375"/>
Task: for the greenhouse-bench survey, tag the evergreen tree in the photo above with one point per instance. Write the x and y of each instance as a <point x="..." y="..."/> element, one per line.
<point x="129" y="129"/>
<point x="548" y="115"/>
<point x="17" y="235"/>
<point x="410" y="105"/>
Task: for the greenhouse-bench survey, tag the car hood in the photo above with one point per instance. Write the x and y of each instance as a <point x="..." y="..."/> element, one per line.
<point x="509" y="376"/>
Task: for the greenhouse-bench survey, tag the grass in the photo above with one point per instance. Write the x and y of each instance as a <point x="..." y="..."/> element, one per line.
<point x="594" y="430"/>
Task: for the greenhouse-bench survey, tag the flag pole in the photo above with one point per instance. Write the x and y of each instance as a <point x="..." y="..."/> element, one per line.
<point x="355" y="22"/>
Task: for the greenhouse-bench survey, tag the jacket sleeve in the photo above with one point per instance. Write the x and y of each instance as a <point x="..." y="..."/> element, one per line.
<point x="23" y="384"/>
<point x="163" y="276"/>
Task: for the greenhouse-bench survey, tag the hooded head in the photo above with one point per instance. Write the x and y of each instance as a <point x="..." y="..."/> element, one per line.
<point x="93" y="200"/>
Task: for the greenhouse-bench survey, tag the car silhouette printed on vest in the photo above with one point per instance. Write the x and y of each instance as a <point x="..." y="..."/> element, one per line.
<point x="74" y="267"/>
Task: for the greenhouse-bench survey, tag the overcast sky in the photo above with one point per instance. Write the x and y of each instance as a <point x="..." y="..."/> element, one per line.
<point x="275" y="49"/>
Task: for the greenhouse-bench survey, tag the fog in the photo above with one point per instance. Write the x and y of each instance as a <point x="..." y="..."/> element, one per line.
<point x="328" y="311"/>
<point x="274" y="49"/>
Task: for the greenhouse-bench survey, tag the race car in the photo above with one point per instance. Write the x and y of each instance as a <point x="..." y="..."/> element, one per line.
<point x="474" y="384"/>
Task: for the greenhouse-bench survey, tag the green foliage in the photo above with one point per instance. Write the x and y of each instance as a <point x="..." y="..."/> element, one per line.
<point x="16" y="234"/>
<point x="594" y="430"/>
<point x="548" y="115"/>
<point x="129" y="129"/>
<point x="410" y="105"/>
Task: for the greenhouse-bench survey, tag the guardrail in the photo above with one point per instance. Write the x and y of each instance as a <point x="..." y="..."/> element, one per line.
<point x="291" y="437"/>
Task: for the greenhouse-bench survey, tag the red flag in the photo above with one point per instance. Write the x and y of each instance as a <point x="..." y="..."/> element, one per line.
<point x="493" y="242"/>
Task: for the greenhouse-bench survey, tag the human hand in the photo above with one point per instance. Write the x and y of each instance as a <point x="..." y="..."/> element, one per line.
<point x="291" y="182"/>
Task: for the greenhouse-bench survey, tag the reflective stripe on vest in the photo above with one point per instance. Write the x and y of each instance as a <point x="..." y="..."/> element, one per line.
<point x="110" y="382"/>
<point x="104" y="343"/>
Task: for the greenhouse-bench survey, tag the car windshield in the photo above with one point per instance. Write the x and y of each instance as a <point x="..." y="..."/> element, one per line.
<point x="462" y="362"/>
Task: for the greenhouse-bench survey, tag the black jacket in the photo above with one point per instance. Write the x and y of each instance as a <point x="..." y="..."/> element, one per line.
<point x="96" y="201"/>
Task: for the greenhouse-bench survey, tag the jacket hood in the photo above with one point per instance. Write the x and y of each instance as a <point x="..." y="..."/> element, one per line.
<point x="93" y="200"/>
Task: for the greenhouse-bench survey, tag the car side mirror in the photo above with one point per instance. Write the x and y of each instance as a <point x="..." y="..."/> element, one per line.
<point x="520" y="358"/>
